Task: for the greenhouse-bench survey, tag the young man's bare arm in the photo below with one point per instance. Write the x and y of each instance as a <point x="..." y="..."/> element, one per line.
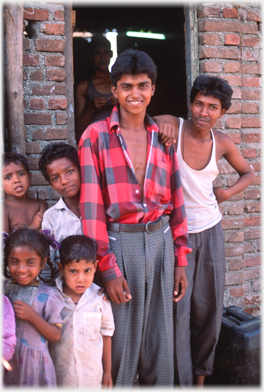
<point x="168" y="128"/>
<point x="237" y="161"/>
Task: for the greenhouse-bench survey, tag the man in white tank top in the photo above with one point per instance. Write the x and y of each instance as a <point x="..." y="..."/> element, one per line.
<point x="198" y="315"/>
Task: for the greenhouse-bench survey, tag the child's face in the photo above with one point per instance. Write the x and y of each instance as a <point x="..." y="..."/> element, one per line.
<point x="64" y="177"/>
<point x="24" y="265"/>
<point x="16" y="180"/>
<point x="77" y="276"/>
<point x="134" y="93"/>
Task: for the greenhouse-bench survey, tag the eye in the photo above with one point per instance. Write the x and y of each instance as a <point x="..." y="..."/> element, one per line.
<point x="7" y="178"/>
<point x="70" y="171"/>
<point x="54" y="179"/>
<point x="72" y="272"/>
<point x="22" y="174"/>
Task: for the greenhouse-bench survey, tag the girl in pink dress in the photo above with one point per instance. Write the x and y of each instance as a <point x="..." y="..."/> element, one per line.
<point x="37" y="309"/>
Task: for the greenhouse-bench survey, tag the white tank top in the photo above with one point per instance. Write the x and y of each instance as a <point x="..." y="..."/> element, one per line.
<point x="201" y="207"/>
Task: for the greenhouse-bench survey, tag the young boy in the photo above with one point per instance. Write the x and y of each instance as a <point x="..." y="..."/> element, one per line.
<point x="59" y="165"/>
<point x="19" y="210"/>
<point x="132" y="205"/>
<point x="82" y="358"/>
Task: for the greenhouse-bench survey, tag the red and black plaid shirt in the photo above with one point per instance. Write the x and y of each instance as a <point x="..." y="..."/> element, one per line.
<point x="110" y="191"/>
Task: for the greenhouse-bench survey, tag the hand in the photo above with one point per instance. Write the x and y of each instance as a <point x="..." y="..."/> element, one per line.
<point x="37" y="220"/>
<point x="167" y="133"/>
<point x="98" y="102"/>
<point x="180" y="283"/>
<point x="221" y="194"/>
<point x="23" y="310"/>
<point x="118" y="290"/>
<point x="6" y="364"/>
<point x="107" y="380"/>
<point x="114" y="101"/>
<point x="102" y="291"/>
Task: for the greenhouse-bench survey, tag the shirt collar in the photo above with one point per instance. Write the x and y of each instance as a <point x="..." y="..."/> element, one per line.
<point x="88" y="292"/>
<point x="60" y="205"/>
<point x="114" y="122"/>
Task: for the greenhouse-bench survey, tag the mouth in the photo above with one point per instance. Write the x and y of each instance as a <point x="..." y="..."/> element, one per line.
<point x="80" y="288"/>
<point x="22" y="277"/>
<point x="135" y="103"/>
<point x="19" y="188"/>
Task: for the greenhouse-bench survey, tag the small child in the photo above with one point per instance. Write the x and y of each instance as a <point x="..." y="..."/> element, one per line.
<point x="37" y="309"/>
<point x="60" y="166"/>
<point x="82" y="358"/>
<point x="20" y="210"/>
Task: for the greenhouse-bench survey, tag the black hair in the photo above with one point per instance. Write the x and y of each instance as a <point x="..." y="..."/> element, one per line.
<point x="98" y="41"/>
<point x="76" y="248"/>
<point x="34" y="240"/>
<point x="56" y="151"/>
<point x="15" y="157"/>
<point x="215" y="86"/>
<point x="133" y="62"/>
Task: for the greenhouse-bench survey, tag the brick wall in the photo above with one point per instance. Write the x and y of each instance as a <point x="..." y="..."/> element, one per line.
<point x="45" y="103"/>
<point x="229" y="46"/>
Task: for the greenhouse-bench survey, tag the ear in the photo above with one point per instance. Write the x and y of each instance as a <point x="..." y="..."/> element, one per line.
<point x="60" y="268"/>
<point x="222" y="113"/>
<point x="95" y="264"/>
<point x="153" y="88"/>
<point x="113" y="89"/>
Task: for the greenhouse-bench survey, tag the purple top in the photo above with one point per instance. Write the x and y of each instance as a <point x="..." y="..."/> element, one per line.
<point x="9" y="329"/>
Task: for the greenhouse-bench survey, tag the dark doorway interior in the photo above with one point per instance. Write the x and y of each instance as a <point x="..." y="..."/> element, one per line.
<point x="168" y="54"/>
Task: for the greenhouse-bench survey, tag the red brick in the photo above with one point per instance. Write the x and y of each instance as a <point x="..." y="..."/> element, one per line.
<point x="50" y="134"/>
<point x="232" y="66"/>
<point x="59" y="15"/>
<point x="62" y="118"/>
<point x="257" y="285"/>
<point x="55" y="61"/>
<point x="251" y="300"/>
<point x="257" y="180"/>
<point x="253" y="207"/>
<point x="251" y="81"/>
<point x="235" y="209"/>
<point x="43" y="194"/>
<point x="238" y="196"/>
<point x="215" y="25"/>
<point x="58" y="103"/>
<point x="252" y="234"/>
<point x="249" y="29"/>
<point x="248" y="248"/>
<point x="36" y="14"/>
<point x="24" y="75"/>
<point x="55" y="195"/>
<point x="58" y="75"/>
<point x="210" y="66"/>
<point x="236" y="93"/>
<point x="26" y="44"/>
<point x="33" y="163"/>
<point x="38" y="179"/>
<point x="251" y="94"/>
<point x="50" y="45"/>
<point x="253" y="273"/>
<point x="230" y="13"/>
<point x="251" y="41"/>
<point x="237" y="236"/>
<point x="222" y="53"/>
<point x="31" y="60"/>
<point x="251" y="122"/>
<point x="252" y="193"/>
<point x="37" y="104"/>
<point x="232" y="278"/>
<point x="233" y="80"/>
<point x="237" y="292"/>
<point x="253" y="311"/>
<point x="37" y="118"/>
<point x="235" y="108"/>
<point x="33" y="193"/>
<point x="232" y="39"/>
<point x="54" y="28"/>
<point x="232" y="223"/>
<point x="236" y="137"/>
<point x="206" y="12"/>
<point x="236" y="265"/>
<point x="251" y="69"/>
<point x="253" y="17"/>
<point x="252" y="261"/>
<point x="249" y="153"/>
<point x="32" y="148"/>
<point x="250" y="108"/>
<point x="209" y="39"/>
<point x="250" y="55"/>
<point x="233" y="122"/>
<point x="36" y="76"/>
<point x="253" y="221"/>
<point x="225" y="168"/>
<point x="51" y="89"/>
<point x="256" y="166"/>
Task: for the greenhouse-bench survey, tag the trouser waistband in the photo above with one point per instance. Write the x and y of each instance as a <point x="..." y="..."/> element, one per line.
<point x="134" y="228"/>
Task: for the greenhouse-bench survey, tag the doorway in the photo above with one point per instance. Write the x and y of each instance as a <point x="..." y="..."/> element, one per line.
<point x="168" y="54"/>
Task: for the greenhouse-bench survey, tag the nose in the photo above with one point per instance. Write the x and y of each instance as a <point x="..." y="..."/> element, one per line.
<point x="16" y="178"/>
<point x="81" y="277"/>
<point x="204" y="111"/>
<point x="21" y="267"/>
<point x="135" y="92"/>
<point x="64" y="179"/>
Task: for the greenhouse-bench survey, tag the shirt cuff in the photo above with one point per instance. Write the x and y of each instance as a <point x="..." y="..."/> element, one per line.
<point x="181" y="261"/>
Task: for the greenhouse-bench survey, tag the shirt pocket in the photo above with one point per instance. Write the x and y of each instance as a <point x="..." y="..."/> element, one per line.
<point x="92" y="325"/>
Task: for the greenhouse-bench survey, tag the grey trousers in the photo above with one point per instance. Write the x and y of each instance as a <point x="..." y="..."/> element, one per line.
<point x="198" y="315"/>
<point x="142" y="344"/>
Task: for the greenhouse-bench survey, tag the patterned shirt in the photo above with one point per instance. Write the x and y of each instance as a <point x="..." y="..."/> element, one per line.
<point x="110" y="191"/>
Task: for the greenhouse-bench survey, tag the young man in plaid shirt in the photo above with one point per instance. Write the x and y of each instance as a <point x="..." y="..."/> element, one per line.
<point x="132" y="205"/>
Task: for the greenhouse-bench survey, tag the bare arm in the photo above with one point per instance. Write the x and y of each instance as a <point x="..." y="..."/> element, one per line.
<point x="168" y="128"/>
<point x="118" y="290"/>
<point x="25" y="312"/>
<point x="37" y="219"/>
<point x="6" y="219"/>
<point x="238" y="162"/>
<point x="107" y="362"/>
<point x="83" y="112"/>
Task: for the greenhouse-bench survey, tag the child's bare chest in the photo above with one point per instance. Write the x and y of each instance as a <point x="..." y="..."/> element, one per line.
<point x="21" y="215"/>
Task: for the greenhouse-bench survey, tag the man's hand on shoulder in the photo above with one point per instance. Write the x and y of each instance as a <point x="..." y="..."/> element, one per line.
<point x="118" y="290"/>
<point x="168" y="128"/>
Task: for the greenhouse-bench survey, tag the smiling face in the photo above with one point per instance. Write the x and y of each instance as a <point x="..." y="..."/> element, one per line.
<point x="77" y="277"/>
<point x="64" y="177"/>
<point x="24" y="265"/>
<point x="206" y="110"/>
<point x="16" y="180"/>
<point x="134" y="93"/>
